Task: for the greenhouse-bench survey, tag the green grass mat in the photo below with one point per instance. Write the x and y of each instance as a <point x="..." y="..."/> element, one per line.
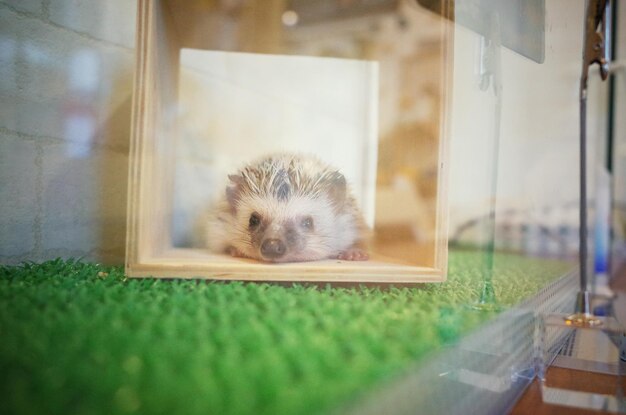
<point x="78" y="338"/>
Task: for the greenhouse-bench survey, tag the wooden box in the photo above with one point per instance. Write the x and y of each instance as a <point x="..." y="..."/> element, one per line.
<point x="217" y="82"/>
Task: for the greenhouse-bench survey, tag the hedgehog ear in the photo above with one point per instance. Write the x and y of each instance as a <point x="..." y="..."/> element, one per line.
<point x="337" y="189"/>
<point x="232" y="196"/>
<point x="236" y="179"/>
<point x="232" y="192"/>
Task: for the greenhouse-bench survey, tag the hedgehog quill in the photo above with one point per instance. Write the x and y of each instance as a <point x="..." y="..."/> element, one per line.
<point x="288" y="208"/>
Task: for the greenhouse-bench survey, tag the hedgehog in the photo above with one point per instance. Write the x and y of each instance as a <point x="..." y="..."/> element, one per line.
<point x="288" y="208"/>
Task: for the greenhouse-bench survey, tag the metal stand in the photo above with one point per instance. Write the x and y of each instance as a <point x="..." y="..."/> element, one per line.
<point x="597" y="49"/>
<point x="586" y="342"/>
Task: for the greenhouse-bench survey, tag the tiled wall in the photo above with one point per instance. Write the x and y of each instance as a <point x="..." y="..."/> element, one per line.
<point x="66" y="73"/>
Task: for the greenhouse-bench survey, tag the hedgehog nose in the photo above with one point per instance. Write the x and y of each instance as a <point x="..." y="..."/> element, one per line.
<point x="273" y="248"/>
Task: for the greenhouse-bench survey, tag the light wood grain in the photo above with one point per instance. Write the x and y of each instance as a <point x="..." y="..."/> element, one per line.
<point x="162" y="31"/>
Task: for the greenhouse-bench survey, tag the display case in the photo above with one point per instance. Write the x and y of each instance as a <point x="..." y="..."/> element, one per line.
<point x="361" y="86"/>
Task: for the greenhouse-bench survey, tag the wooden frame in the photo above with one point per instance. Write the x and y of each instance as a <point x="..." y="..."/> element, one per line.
<point x="149" y="250"/>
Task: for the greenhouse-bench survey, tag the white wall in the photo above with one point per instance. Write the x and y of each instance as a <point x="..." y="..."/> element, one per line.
<point x="619" y="145"/>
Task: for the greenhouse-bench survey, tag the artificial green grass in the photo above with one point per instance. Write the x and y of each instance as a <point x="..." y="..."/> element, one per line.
<point x="79" y="338"/>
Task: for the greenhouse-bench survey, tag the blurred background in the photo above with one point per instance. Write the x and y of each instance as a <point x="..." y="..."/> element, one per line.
<point x="66" y="76"/>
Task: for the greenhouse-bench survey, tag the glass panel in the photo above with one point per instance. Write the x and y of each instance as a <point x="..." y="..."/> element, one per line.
<point x="514" y="153"/>
<point x="66" y="77"/>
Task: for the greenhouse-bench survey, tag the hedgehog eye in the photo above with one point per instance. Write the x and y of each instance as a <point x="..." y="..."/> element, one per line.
<point x="255" y="220"/>
<point x="307" y="223"/>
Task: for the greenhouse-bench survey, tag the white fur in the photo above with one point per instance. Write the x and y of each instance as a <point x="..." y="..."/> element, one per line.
<point x="332" y="232"/>
<point x="331" y="235"/>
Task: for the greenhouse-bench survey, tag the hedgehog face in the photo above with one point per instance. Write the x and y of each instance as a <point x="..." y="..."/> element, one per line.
<point x="298" y="229"/>
<point x="286" y="209"/>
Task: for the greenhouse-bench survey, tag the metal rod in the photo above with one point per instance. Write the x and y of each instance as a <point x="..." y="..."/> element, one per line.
<point x="583" y="199"/>
<point x="611" y="99"/>
<point x="595" y="50"/>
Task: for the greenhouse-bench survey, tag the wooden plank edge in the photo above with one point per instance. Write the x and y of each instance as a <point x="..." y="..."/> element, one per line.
<point x="340" y="272"/>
